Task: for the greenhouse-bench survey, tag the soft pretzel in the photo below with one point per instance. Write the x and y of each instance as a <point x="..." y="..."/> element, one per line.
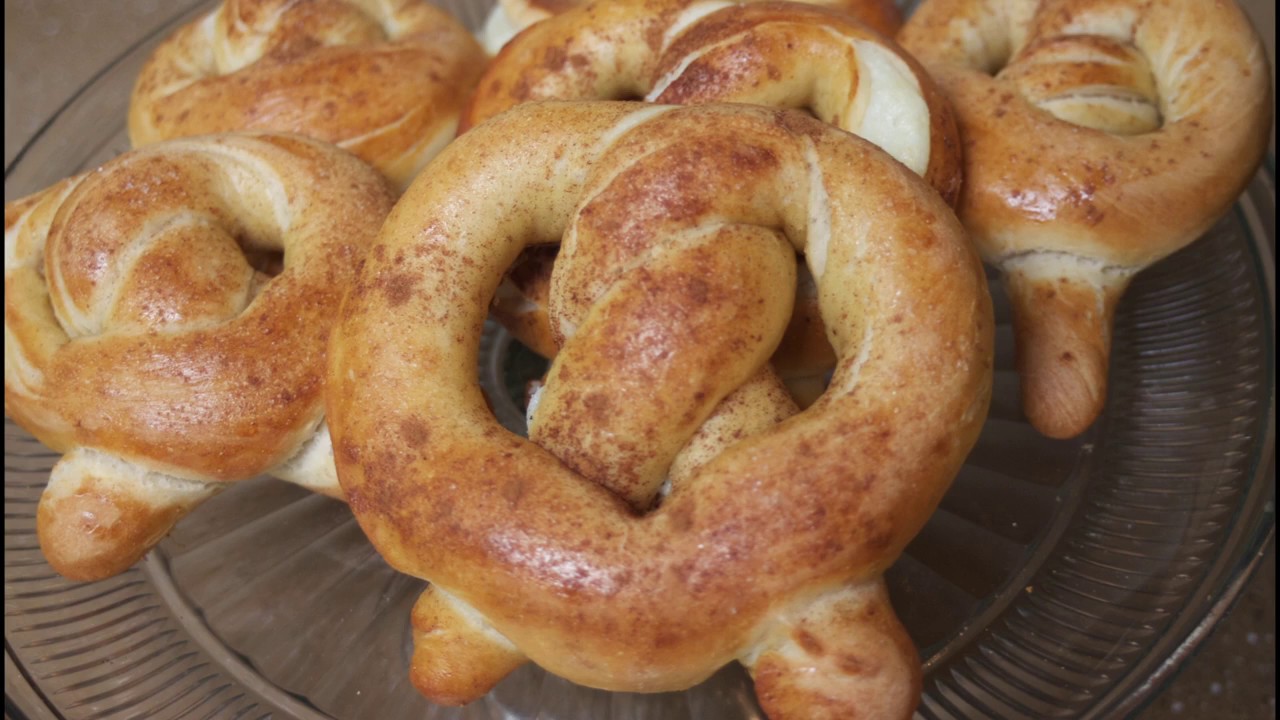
<point x="382" y="79"/>
<point x="774" y="53"/>
<point x="1100" y="136"/>
<point x="679" y="227"/>
<point x="508" y="17"/>
<point x="145" y="342"/>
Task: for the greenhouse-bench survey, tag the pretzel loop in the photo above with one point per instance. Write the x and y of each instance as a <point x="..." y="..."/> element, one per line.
<point x="1100" y="136"/>
<point x="787" y="528"/>
<point x="154" y="336"/>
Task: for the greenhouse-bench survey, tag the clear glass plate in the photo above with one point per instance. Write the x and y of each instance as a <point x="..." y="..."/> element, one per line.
<point x="1058" y="579"/>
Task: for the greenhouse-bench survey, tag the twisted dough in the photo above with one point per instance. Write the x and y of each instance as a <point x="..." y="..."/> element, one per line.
<point x="142" y="341"/>
<point x="509" y="17"/>
<point x="682" y="224"/>
<point x="382" y="79"/>
<point x="695" y="51"/>
<point x="1100" y="136"/>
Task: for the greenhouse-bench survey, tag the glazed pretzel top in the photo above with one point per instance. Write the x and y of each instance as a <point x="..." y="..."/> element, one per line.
<point x="1100" y="136"/>
<point x="777" y="54"/>
<point x="136" y="325"/>
<point x="509" y="17"/>
<point x="645" y="195"/>
<point x="381" y="78"/>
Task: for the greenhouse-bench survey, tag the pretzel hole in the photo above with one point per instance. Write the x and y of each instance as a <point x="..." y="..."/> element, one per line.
<point x="805" y="358"/>
<point x="995" y="47"/>
<point x="814" y="112"/>
<point x="265" y="261"/>
<point x="996" y="65"/>
<point x="523" y="371"/>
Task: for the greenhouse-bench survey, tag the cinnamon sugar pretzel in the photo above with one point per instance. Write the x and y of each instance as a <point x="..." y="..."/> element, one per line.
<point x="695" y="51"/>
<point x="680" y="227"/>
<point x="1100" y="136"/>
<point x="147" y="339"/>
<point x="382" y="79"/>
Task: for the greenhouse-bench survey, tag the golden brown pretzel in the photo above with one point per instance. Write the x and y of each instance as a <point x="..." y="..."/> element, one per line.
<point x="687" y="51"/>
<point x="1100" y="136"/>
<point x="382" y="79"/>
<point x="142" y="341"/>
<point x="771" y="551"/>
<point x="509" y="17"/>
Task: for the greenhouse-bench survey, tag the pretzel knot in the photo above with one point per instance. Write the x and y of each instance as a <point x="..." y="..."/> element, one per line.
<point x="679" y="227"/>
<point x="1100" y="136"/>
<point x="383" y="80"/>
<point x="689" y="52"/>
<point x="149" y="338"/>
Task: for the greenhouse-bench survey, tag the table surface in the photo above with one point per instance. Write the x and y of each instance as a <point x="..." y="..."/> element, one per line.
<point x="53" y="47"/>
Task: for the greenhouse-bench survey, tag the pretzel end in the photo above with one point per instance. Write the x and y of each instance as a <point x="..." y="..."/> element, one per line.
<point x="1062" y="330"/>
<point x="844" y="656"/>
<point x="99" y="515"/>
<point x="457" y="657"/>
